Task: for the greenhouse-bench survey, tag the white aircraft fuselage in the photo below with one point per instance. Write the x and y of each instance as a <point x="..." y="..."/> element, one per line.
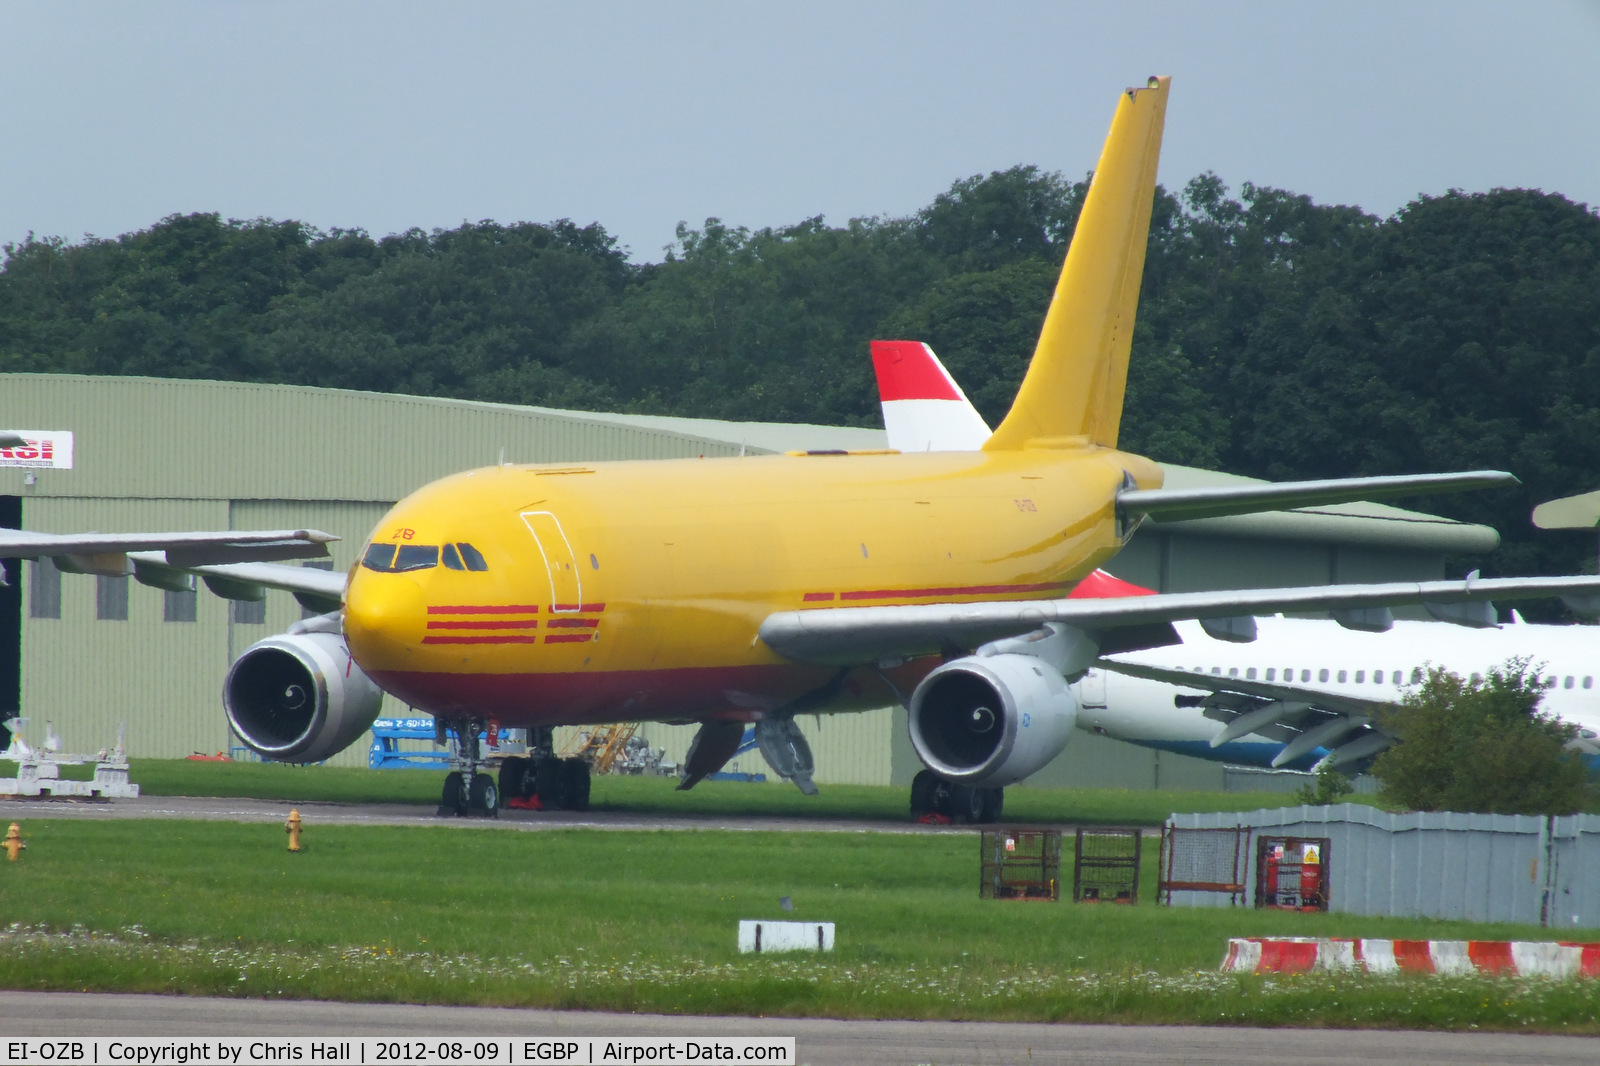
<point x="1324" y="657"/>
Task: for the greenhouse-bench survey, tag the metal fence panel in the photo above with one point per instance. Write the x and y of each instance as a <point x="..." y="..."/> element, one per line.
<point x="1477" y="867"/>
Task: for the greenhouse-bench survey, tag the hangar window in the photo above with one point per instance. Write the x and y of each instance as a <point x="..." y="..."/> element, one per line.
<point x="111" y="599"/>
<point x="249" y="612"/>
<point x="179" y="605"/>
<point x="473" y="558"/>
<point x="1322" y="675"/>
<point x="44" y="589"/>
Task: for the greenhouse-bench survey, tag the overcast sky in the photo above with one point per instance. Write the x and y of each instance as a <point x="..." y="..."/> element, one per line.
<point x="393" y="115"/>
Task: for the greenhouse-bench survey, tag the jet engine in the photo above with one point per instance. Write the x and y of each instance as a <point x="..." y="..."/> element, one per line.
<point x="298" y="697"/>
<point x="989" y="721"/>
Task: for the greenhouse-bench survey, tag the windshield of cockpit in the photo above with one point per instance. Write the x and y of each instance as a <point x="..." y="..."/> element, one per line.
<point x="401" y="558"/>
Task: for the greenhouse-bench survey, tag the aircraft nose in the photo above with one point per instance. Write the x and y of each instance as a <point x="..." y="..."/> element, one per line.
<point x="385" y="617"/>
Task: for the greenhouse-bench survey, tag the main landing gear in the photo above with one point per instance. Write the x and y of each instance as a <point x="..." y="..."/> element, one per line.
<point x="935" y="799"/>
<point x="539" y="781"/>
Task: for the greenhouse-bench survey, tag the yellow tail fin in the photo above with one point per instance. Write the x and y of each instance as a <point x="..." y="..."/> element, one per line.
<point x="1075" y="382"/>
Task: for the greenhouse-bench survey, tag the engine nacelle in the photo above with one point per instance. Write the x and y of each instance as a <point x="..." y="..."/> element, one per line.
<point x="992" y="720"/>
<point x="298" y="697"/>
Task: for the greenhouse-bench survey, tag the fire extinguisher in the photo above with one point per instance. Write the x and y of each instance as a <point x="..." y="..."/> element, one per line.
<point x="1311" y="880"/>
<point x="1273" y="856"/>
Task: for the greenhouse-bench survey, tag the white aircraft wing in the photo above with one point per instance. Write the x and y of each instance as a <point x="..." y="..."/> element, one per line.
<point x="1303" y="718"/>
<point x="317" y="589"/>
<point x="865" y="635"/>
<point x="103" y="552"/>
<point x="1176" y="505"/>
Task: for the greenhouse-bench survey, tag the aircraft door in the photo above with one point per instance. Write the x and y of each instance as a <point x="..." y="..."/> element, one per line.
<point x="566" y="582"/>
<point x="1092" y="689"/>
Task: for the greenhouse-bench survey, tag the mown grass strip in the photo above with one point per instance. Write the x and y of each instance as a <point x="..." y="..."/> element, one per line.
<point x="624" y="920"/>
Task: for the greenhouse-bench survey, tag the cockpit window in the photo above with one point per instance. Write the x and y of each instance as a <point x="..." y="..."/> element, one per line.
<point x="379" y="557"/>
<point x="416" y="557"/>
<point x="387" y="559"/>
<point x="452" y="558"/>
<point x="474" y="559"/>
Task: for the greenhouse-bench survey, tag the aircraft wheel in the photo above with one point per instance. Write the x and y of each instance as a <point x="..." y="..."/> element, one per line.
<point x="966" y="804"/>
<point x="924" y="787"/>
<point x="548" y="783"/>
<point x="483" y="795"/>
<point x="514" y="778"/>
<point x="993" y="801"/>
<point x="575" y="784"/>
<point x="453" y="800"/>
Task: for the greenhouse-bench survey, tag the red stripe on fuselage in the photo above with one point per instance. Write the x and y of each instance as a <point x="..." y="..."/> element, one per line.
<point x="572" y="623"/>
<point x="566" y="638"/>
<point x="813" y="597"/>
<point x="505" y="608"/>
<point x="498" y="638"/>
<point x="504" y="623"/>
<point x="969" y="590"/>
<point x="578" y="608"/>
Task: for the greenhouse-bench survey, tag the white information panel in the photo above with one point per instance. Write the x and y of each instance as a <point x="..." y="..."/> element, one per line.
<point x="308" y="1051"/>
<point x="50" y="449"/>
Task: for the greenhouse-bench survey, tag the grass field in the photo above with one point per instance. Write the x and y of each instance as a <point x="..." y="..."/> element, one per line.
<point x="658" y="795"/>
<point x="646" y="921"/>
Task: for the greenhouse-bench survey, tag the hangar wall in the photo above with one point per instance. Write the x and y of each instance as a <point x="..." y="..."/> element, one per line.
<point x="155" y="454"/>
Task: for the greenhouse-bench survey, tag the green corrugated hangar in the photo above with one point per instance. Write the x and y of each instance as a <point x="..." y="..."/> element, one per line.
<point x="89" y="653"/>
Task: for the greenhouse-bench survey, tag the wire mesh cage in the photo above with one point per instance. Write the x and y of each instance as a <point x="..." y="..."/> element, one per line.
<point x="1292" y="873"/>
<point x="1105" y="866"/>
<point x="1203" y="860"/>
<point x="1020" y="864"/>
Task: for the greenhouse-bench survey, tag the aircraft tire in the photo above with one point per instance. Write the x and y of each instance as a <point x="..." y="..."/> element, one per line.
<point x="575" y="783"/>
<point x="548" y="783"/>
<point x="993" y="801"/>
<point x="966" y="804"/>
<point x="483" y="796"/>
<point x="924" y="787"/>
<point x="514" y="778"/>
<point x="453" y="800"/>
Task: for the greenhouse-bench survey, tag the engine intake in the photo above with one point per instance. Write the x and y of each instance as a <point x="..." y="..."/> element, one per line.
<point x="991" y="720"/>
<point x="298" y="697"/>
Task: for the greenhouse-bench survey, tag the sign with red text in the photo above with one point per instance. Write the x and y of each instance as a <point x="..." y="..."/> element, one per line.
<point x="49" y="449"/>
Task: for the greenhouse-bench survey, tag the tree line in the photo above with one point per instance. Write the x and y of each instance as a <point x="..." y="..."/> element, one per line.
<point x="1276" y="337"/>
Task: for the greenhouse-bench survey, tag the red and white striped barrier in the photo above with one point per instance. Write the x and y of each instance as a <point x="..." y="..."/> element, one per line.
<point x="1508" y="957"/>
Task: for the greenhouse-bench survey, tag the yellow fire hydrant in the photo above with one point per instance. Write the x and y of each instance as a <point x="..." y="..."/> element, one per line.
<point x="13" y="842"/>
<point x="292" y="827"/>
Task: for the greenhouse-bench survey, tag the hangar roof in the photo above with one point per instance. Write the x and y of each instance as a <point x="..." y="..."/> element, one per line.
<point x="177" y="439"/>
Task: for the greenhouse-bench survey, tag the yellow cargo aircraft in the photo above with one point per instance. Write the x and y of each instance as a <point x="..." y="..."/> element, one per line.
<point x="739" y="591"/>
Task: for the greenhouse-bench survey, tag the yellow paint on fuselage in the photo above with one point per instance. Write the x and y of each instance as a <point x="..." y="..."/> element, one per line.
<point x="688" y="557"/>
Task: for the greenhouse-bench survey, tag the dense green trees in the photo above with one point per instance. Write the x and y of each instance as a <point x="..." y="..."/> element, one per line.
<point x="1276" y="336"/>
<point x="1482" y="744"/>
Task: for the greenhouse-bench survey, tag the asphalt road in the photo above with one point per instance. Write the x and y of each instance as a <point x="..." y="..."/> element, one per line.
<point x="314" y="814"/>
<point x="820" y="1042"/>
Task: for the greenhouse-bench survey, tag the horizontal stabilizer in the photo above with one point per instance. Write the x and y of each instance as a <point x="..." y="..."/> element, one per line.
<point x="1179" y="505"/>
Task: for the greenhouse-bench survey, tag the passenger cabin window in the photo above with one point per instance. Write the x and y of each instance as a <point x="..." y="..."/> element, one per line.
<point x="1568" y="682"/>
<point x="1322" y="675"/>
<point x="1250" y="674"/>
<point x="1305" y="675"/>
<point x="1416" y="675"/>
<point x="1272" y="673"/>
<point x="1361" y="675"/>
<point x="1342" y="675"/>
<point x="1588" y="682"/>
<point x="1233" y="671"/>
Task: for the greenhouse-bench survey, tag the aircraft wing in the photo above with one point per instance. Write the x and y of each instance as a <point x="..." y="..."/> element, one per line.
<point x="864" y="635"/>
<point x="103" y="552"/>
<point x="1305" y="719"/>
<point x="1176" y="505"/>
<point x="317" y="589"/>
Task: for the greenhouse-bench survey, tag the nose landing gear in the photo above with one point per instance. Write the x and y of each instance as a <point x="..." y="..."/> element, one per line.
<point x="469" y="790"/>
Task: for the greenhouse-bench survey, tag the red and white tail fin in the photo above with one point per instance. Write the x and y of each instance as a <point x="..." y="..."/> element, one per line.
<point x="924" y="410"/>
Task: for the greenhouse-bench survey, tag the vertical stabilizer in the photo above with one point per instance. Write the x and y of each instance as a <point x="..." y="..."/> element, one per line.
<point x="1075" y="382"/>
